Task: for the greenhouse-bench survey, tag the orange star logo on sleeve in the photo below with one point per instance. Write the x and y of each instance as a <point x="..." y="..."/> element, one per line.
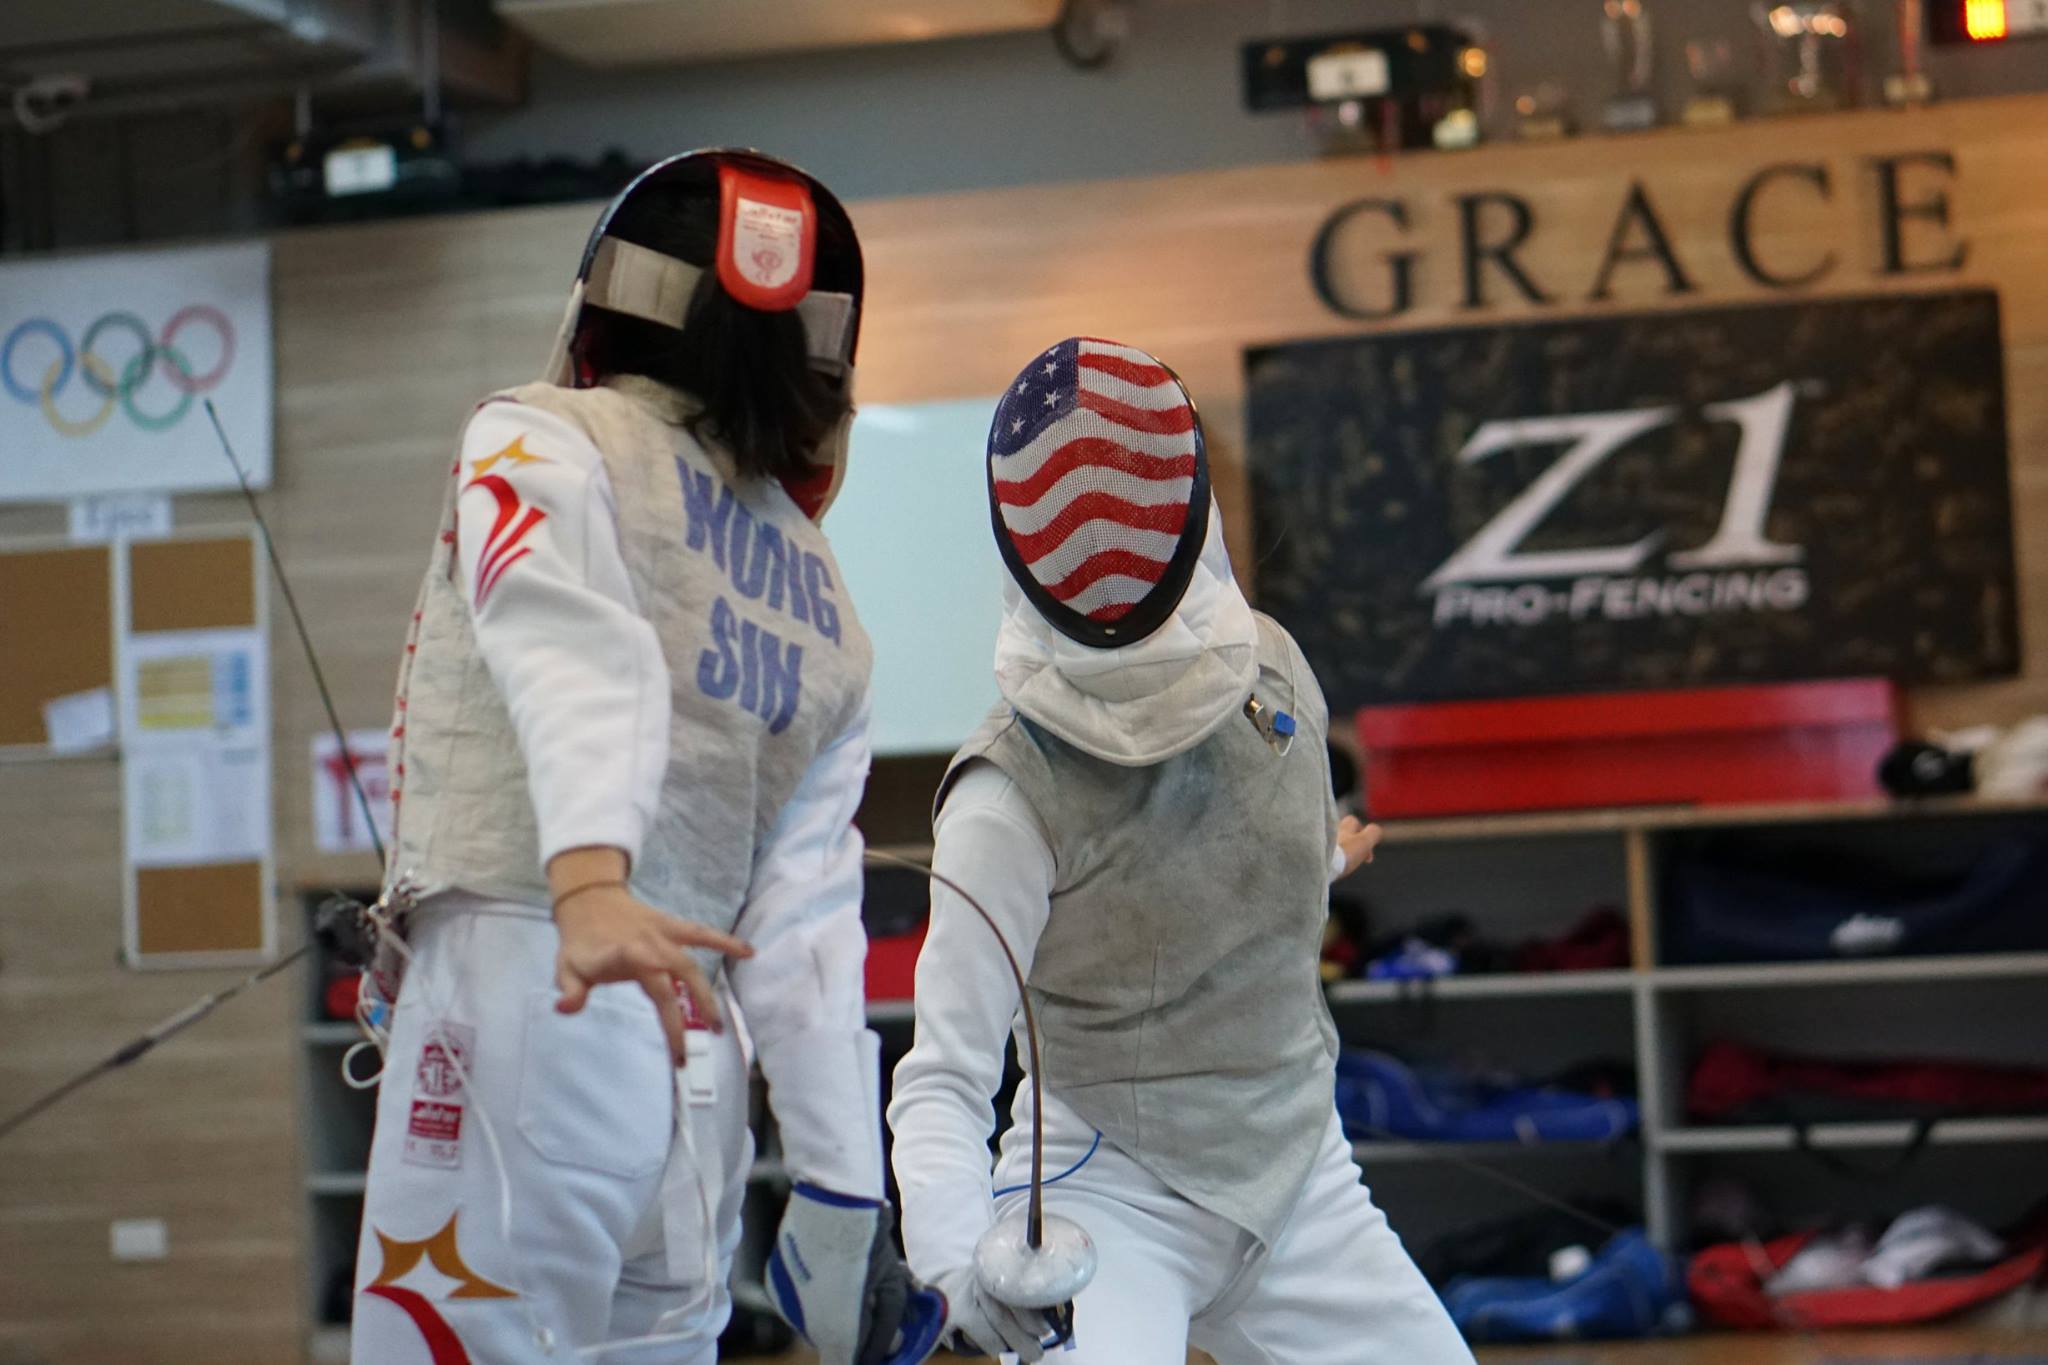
<point x="511" y="456"/>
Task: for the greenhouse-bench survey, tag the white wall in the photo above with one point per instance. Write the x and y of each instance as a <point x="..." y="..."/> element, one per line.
<point x="912" y="536"/>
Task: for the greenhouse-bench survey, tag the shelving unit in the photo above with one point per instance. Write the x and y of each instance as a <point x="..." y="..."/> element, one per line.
<point x="1518" y="876"/>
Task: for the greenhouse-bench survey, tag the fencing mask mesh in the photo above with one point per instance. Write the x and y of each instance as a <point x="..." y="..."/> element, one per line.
<point x="1099" y="489"/>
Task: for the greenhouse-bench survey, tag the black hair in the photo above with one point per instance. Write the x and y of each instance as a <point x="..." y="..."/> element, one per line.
<point x="760" y="398"/>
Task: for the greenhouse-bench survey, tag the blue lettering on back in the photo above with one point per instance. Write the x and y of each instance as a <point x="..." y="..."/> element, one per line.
<point x="818" y="580"/>
<point x="707" y="516"/>
<point x="782" y="681"/>
<point x="718" y="671"/>
<point x="739" y="540"/>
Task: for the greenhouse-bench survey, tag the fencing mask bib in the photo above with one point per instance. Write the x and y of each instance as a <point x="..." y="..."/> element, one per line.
<point x="785" y="243"/>
<point x="1098" y="487"/>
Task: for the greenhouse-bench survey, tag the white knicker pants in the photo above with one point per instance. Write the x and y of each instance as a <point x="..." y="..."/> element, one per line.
<point x="607" y="1235"/>
<point x="1336" y="1287"/>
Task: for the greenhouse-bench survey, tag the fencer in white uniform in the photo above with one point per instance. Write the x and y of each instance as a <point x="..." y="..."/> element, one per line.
<point x="1147" y="815"/>
<point x="630" y="737"/>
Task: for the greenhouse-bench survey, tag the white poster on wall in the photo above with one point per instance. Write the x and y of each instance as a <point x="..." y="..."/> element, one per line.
<point x="338" y="824"/>
<point x="195" y="725"/>
<point x="911" y="533"/>
<point x="106" y="361"/>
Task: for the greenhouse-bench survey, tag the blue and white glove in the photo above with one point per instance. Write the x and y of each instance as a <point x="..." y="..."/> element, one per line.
<point x="836" y="1277"/>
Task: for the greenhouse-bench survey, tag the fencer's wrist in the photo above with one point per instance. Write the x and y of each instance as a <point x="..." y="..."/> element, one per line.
<point x="566" y="898"/>
<point x="578" y="869"/>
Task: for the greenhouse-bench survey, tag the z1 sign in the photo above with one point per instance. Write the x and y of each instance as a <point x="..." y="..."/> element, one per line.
<point x="1664" y="500"/>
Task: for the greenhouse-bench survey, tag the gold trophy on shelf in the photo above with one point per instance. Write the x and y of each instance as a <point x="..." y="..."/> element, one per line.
<point x="1544" y="114"/>
<point x="1625" y="32"/>
<point x="1810" y="49"/>
<point x="1716" y="80"/>
<point x="1909" y="85"/>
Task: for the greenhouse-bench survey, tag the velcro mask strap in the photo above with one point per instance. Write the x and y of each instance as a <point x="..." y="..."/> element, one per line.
<point x="628" y="278"/>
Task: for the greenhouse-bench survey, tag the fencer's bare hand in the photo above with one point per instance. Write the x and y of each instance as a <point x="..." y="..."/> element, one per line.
<point x="1358" y="840"/>
<point x="608" y="935"/>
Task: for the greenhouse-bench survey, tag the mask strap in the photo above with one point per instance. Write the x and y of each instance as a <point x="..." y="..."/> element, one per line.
<point x="643" y="283"/>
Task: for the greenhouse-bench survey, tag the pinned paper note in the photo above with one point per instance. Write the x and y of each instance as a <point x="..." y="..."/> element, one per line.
<point x="80" y="721"/>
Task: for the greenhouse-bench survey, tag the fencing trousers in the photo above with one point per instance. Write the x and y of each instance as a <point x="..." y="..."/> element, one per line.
<point x="1335" y="1288"/>
<point x="586" y="1222"/>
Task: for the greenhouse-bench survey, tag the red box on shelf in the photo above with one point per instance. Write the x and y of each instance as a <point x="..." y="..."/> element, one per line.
<point x="1813" y="741"/>
<point x="892" y="964"/>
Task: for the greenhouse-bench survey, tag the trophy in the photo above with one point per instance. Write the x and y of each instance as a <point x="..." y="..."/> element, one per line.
<point x="1909" y="84"/>
<point x="1810" y="52"/>
<point x="1626" y="33"/>
<point x="1543" y="114"/>
<point x="1715" y="83"/>
<point x="1454" y="124"/>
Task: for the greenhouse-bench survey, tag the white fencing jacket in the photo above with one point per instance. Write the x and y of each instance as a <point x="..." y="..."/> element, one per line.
<point x="583" y="676"/>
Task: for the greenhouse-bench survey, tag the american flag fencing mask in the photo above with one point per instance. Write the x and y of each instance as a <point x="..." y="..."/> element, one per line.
<point x="1098" y="487"/>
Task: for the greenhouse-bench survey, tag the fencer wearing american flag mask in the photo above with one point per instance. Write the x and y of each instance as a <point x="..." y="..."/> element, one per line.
<point x="1137" y="815"/>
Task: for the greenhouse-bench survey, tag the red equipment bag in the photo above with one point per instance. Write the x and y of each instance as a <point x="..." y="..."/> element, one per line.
<point x="1727" y="1287"/>
<point x="1730" y="1081"/>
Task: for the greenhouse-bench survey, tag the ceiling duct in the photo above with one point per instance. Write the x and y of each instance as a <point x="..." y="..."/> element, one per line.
<point x="674" y="32"/>
<point x="113" y="58"/>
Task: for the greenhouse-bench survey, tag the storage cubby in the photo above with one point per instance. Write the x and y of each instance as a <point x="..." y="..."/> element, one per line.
<point x="1512" y="889"/>
<point x="1994" y="1185"/>
<point x="1430" y="1194"/>
<point x="1533" y="1036"/>
<point x="1929" y="884"/>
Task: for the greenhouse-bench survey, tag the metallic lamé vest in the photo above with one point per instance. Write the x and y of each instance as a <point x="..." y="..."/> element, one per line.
<point x="1176" y="982"/>
<point x="767" y="665"/>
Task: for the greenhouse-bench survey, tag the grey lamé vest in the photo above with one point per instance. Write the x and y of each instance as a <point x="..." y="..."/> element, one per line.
<point x="767" y="665"/>
<point x="1176" y="982"/>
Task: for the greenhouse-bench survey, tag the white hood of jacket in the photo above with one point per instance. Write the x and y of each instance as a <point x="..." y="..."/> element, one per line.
<point x="1140" y="703"/>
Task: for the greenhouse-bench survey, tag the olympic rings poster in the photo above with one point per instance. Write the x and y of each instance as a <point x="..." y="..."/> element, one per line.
<point x="105" y="361"/>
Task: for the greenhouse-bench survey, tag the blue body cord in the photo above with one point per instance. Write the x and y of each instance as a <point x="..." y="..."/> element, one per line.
<point x="1054" y="1180"/>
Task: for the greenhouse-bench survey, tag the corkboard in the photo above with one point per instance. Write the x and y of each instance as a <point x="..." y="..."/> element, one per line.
<point x="56" y="633"/>
<point x="191" y="584"/>
<point x="205" y="912"/>
<point x="213" y="909"/>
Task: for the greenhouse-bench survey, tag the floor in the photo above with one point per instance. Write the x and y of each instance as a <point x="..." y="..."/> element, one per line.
<point x="1925" y="1346"/>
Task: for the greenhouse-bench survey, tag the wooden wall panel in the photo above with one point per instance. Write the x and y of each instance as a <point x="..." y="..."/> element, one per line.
<point x="386" y="334"/>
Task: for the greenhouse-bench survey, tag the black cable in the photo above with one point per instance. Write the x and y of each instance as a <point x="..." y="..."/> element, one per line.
<point x="143" y="1043"/>
<point x="299" y="623"/>
<point x="1034" y="1226"/>
<point x="1451" y="1157"/>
